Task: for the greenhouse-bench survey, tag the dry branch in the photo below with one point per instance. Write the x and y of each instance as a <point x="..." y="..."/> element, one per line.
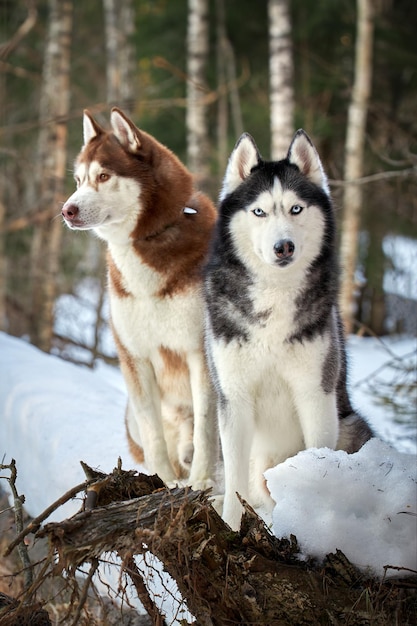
<point x="250" y="577"/>
<point x="374" y="178"/>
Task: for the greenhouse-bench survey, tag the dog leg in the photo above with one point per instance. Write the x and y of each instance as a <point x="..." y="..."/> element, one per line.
<point x="205" y="425"/>
<point x="185" y="446"/>
<point x="146" y="405"/>
<point x="317" y="412"/>
<point x="313" y="396"/>
<point x="236" y="430"/>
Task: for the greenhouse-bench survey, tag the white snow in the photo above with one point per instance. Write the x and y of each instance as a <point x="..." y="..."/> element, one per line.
<point x="53" y="414"/>
<point x="400" y="276"/>
<point x="363" y="504"/>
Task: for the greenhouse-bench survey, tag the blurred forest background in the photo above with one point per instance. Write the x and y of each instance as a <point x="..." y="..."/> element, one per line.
<point x="196" y="75"/>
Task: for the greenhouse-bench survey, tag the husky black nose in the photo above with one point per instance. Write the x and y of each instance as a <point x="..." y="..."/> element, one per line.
<point x="70" y="211"/>
<point x="284" y="249"/>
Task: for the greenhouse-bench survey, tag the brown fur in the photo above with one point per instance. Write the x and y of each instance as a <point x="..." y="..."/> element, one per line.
<point x="155" y="259"/>
<point x="173" y="362"/>
<point x="135" y="449"/>
<point x="127" y="362"/>
<point x="155" y="237"/>
<point x="115" y="278"/>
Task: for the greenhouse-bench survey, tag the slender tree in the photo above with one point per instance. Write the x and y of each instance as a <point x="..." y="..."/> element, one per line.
<point x="6" y="49"/>
<point x="354" y="156"/>
<point x="51" y="161"/>
<point x="120" y="87"/>
<point x="227" y="89"/>
<point x="281" y="76"/>
<point x="119" y="27"/>
<point x="196" y="115"/>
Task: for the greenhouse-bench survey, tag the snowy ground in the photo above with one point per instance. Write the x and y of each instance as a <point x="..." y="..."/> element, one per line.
<point x="54" y="414"/>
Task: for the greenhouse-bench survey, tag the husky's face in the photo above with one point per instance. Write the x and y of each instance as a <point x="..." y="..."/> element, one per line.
<point x="102" y="198"/>
<point x="279" y="227"/>
<point x="105" y="197"/>
<point x="277" y="211"/>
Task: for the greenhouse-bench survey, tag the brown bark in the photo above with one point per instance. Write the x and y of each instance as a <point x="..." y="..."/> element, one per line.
<point x="54" y="104"/>
<point x="354" y="155"/>
<point x="225" y="577"/>
<point x="227" y="90"/>
<point x="3" y="270"/>
<point x="119" y="23"/>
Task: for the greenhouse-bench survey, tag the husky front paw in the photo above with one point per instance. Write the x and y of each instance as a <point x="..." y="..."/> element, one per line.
<point x="185" y="456"/>
<point x="232" y="513"/>
<point x="201" y="484"/>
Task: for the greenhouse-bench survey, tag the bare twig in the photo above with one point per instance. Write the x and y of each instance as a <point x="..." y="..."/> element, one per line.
<point x="18" y="513"/>
<point x="38" y="217"/>
<point x="373" y="178"/>
<point x="34" y="525"/>
<point x="7" y="48"/>
<point x="84" y="594"/>
<point x="136" y="577"/>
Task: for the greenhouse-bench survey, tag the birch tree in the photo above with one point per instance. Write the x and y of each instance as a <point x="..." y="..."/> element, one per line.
<point x="196" y="115"/>
<point x="119" y="27"/>
<point x="281" y="77"/>
<point x="51" y="161"/>
<point x="119" y="21"/>
<point x="354" y="156"/>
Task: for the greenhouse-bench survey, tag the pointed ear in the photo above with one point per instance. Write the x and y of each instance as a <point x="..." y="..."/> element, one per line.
<point x="90" y="127"/>
<point x="303" y="154"/>
<point x="243" y="158"/>
<point x="125" y="131"/>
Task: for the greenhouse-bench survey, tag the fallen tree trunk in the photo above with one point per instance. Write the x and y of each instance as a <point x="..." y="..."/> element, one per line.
<point x="250" y="577"/>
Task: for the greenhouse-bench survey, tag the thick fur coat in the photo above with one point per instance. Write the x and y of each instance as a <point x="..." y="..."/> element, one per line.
<point x="274" y="338"/>
<point x="140" y="199"/>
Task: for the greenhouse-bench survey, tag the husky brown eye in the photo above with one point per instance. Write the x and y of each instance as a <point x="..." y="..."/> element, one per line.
<point x="296" y="209"/>
<point x="103" y="177"/>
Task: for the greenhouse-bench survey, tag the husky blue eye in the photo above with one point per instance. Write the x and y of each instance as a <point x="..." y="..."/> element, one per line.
<point x="259" y="212"/>
<point x="296" y="209"/>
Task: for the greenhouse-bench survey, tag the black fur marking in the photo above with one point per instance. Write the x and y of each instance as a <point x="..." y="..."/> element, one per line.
<point x="315" y="303"/>
<point x="227" y="301"/>
<point x="227" y="282"/>
<point x="331" y="368"/>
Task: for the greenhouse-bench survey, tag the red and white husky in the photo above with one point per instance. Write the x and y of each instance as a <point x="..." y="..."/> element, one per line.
<point x="137" y="196"/>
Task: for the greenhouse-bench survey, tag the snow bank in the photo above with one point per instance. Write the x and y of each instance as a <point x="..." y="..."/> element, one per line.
<point x="54" y="414"/>
<point x="365" y="504"/>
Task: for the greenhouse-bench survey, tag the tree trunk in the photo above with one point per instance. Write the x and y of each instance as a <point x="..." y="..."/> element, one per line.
<point x="281" y="77"/>
<point x="54" y="107"/>
<point x="222" y="104"/>
<point x="227" y="89"/>
<point x="119" y="28"/>
<point x="196" y="115"/>
<point x="6" y="50"/>
<point x="249" y="577"/>
<point x="3" y="258"/>
<point x="3" y="269"/>
<point x="112" y="48"/>
<point x="354" y="156"/>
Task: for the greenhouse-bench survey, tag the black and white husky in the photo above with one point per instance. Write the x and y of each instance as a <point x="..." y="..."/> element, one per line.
<point x="274" y="338"/>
